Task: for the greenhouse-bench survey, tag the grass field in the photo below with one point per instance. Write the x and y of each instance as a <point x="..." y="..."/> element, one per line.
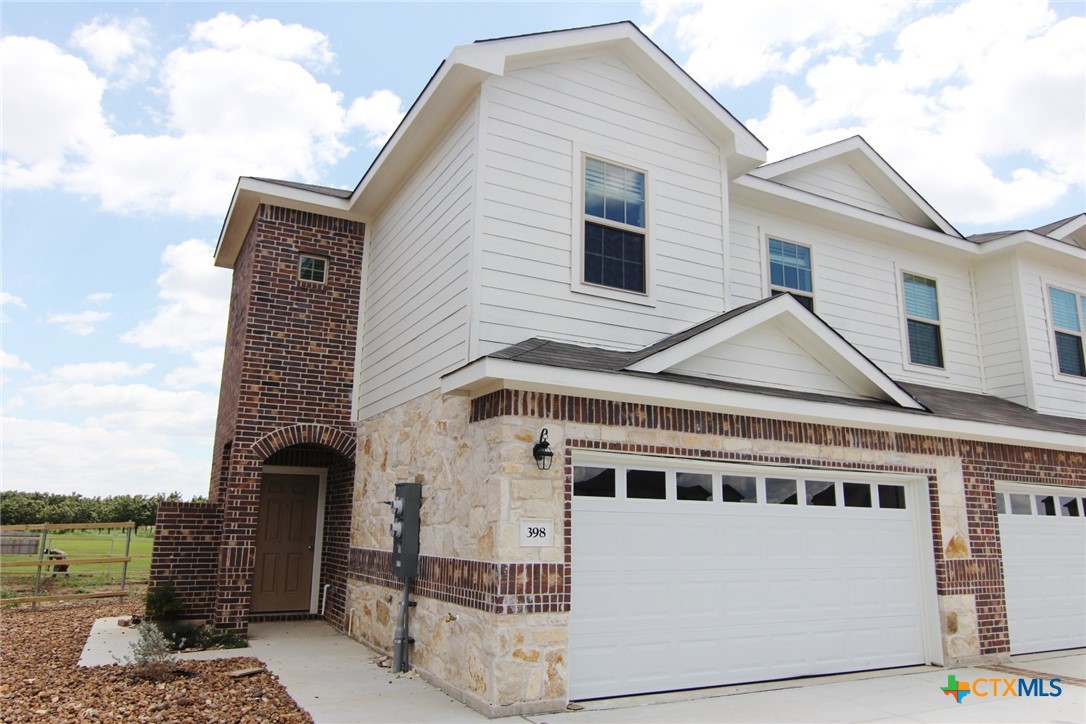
<point x="77" y="544"/>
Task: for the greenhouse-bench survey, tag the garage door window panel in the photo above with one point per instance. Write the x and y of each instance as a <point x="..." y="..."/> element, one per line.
<point x="646" y="484"/>
<point x="594" y="482"/>
<point x="694" y="486"/>
<point x="821" y="493"/>
<point x="1069" y="507"/>
<point x="738" y="489"/>
<point x="1020" y="504"/>
<point x="857" y="495"/>
<point x="780" y="491"/>
<point x="892" y="497"/>
<point x="1046" y="504"/>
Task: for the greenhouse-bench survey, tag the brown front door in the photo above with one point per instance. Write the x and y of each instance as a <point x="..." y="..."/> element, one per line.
<point x="285" y="536"/>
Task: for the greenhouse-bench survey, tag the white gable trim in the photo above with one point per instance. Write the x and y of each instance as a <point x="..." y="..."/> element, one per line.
<point x="874" y="169"/>
<point x="811" y="333"/>
<point x="489" y="374"/>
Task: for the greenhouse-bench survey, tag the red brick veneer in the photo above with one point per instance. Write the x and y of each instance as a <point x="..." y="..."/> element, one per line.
<point x="287" y="378"/>
<point x="186" y="552"/>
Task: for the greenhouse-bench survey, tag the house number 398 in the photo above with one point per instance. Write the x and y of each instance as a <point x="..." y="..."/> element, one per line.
<point x="537" y="533"/>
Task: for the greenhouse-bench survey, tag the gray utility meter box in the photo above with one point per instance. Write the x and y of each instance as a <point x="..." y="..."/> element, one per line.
<point x="405" y="529"/>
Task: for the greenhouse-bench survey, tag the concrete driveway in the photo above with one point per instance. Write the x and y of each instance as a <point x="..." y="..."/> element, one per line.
<point x="338" y="681"/>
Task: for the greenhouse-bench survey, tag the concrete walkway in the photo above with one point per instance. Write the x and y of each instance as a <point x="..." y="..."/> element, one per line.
<point x="337" y="680"/>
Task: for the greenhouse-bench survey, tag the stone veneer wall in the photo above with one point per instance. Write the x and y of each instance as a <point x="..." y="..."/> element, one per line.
<point x="479" y="482"/>
<point x="186" y="551"/>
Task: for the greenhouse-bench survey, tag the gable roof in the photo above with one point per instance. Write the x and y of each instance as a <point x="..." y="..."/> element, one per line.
<point x="872" y="168"/>
<point x="664" y="358"/>
<point x="459" y="77"/>
<point x="933" y="401"/>
<point x="1071" y="231"/>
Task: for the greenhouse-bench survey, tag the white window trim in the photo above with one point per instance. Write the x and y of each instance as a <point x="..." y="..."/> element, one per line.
<point x="1057" y="374"/>
<point x="906" y="352"/>
<point x="577" y="283"/>
<point x="770" y="287"/>
<point x="324" y="277"/>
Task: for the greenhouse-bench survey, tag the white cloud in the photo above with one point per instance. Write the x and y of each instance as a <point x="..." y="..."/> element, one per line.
<point x="60" y="457"/>
<point x="98" y="371"/>
<point x="996" y="97"/>
<point x="735" y="44"/>
<point x="196" y="295"/>
<point x="378" y="115"/>
<point x="269" y="38"/>
<point x="9" y="361"/>
<point x="51" y="110"/>
<point x="152" y="411"/>
<point x="119" y="48"/>
<point x="9" y="298"/>
<point x="98" y="297"/>
<point x="241" y="99"/>
<point x="80" y="323"/>
<point x="206" y="372"/>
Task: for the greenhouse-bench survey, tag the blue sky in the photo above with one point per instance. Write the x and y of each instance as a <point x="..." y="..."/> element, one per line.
<point x="126" y="125"/>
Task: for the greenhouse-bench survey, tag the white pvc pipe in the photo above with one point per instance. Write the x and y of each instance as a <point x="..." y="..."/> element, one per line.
<point x="324" y="597"/>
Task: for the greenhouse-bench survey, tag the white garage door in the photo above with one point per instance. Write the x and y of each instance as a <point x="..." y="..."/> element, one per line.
<point x="1043" y="532"/>
<point x="687" y="577"/>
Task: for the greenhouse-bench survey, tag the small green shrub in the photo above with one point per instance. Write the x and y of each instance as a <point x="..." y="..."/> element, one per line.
<point x="151" y="657"/>
<point x="163" y="603"/>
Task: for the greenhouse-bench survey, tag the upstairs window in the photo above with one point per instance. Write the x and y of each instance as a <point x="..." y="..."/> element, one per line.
<point x="614" y="226"/>
<point x="312" y="268"/>
<point x="1068" y="315"/>
<point x="790" y="271"/>
<point x="922" y="319"/>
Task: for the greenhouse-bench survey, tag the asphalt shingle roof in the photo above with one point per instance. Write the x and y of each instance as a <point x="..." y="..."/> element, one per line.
<point x="949" y="404"/>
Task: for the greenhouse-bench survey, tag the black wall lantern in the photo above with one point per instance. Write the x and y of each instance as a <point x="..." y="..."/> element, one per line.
<point x="542" y="452"/>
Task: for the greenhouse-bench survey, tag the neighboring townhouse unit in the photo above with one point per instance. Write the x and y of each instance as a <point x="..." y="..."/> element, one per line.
<point x="799" y="424"/>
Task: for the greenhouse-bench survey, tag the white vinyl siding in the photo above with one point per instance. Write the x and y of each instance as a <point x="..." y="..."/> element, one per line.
<point x="1001" y="333"/>
<point x="767" y="357"/>
<point x="857" y="281"/>
<point x="539" y="122"/>
<point x="836" y="179"/>
<point x="1055" y="394"/>
<point x="416" y="296"/>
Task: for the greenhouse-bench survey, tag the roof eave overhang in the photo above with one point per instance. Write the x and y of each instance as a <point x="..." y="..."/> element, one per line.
<point x="838" y="214"/>
<point x="249" y="194"/>
<point x="457" y="81"/>
<point x="489" y="374"/>
<point x="875" y="170"/>
<point x="1029" y="240"/>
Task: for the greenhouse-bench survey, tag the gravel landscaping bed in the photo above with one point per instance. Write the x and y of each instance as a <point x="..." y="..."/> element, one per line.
<point x="41" y="682"/>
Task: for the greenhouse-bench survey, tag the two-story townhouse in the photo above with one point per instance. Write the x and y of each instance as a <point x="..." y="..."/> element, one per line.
<point x="799" y="424"/>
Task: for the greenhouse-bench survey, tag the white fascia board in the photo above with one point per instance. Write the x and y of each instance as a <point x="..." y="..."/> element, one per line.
<point x="488" y="374"/>
<point x="1029" y="239"/>
<point x="1072" y="225"/>
<point x="867" y="161"/>
<point x="836" y="211"/>
<point x="845" y="361"/>
<point x="250" y="193"/>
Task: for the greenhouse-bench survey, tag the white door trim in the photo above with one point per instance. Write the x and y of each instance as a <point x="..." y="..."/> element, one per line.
<point x="318" y="542"/>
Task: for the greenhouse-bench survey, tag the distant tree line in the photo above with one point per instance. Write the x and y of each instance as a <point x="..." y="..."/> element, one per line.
<point x="18" y="508"/>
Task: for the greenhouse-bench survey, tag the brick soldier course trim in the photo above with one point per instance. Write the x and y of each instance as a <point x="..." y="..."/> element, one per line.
<point x="491" y="587"/>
